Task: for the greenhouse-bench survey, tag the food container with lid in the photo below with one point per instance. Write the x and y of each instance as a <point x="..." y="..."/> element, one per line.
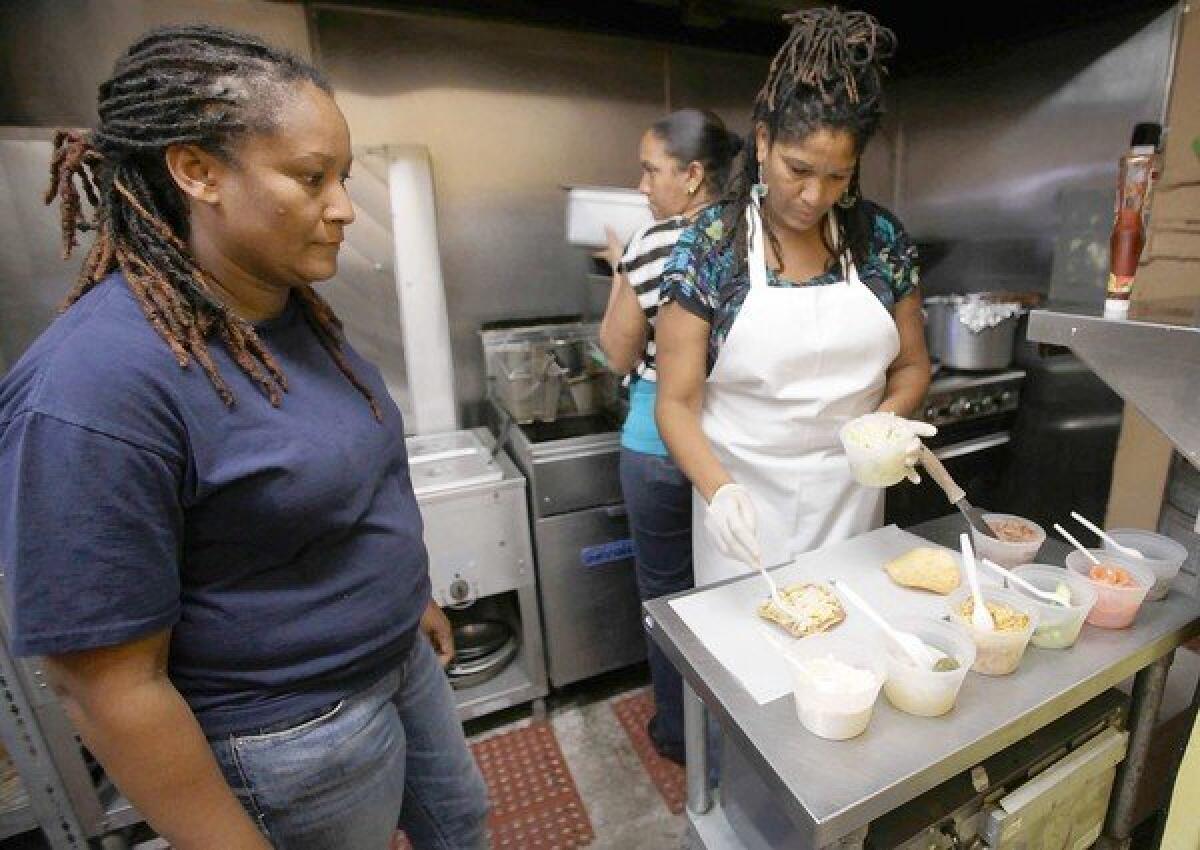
<point x="1116" y="607"/>
<point x="876" y="445"/>
<point x="835" y="684"/>
<point x="1160" y="553"/>
<point x="1004" y="552"/>
<point x="927" y="693"/>
<point x="997" y="652"/>
<point x="1058" y="626"/>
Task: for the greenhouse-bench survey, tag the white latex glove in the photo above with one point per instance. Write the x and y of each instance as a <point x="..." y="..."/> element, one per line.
<point x="732" y="523"/>
<point x="912" y="451"/>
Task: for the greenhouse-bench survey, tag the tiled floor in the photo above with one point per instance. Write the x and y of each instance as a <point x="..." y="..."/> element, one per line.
<point x="627" y="811"/>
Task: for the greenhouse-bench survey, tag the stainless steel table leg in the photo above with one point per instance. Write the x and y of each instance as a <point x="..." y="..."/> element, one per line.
<point x="695" y="748"/>
<point x="1148" y="687"/>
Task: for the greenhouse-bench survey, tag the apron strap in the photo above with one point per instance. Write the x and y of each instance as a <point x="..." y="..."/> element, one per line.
<point x="756" y="255"/>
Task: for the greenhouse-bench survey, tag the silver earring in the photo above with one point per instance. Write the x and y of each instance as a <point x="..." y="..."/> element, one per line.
<point x="759" y="189"/>
<point x="691" y="190"/>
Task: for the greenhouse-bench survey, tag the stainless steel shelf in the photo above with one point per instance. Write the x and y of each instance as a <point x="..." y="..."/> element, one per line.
<point x="1151" y="359"/>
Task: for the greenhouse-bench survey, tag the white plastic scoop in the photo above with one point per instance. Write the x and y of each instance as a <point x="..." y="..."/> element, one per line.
<point x="1070" y="538"/>
<point x="981" y="617"/>
<point x="776" y="596"/>
<point x="923" y="656"/>
<point x="1103" y="535"/>
<point x="1061" y="594"/>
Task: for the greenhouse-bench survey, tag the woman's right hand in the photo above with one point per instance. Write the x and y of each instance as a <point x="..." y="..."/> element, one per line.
<point x="612" y="254"/>
<point x="732" y="523"/>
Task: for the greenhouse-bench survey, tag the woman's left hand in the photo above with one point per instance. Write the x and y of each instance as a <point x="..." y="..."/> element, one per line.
<point x="437" y="628"/>
<point x="912" y="451"/>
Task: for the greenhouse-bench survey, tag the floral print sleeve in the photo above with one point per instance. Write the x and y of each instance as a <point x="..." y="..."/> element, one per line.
<point x="692" y="277"/>
<point x="892" y="271"/>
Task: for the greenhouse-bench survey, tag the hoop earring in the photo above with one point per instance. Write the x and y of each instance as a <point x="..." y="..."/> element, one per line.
<point x="849" y="199"/>
<point x="759" y="190"/>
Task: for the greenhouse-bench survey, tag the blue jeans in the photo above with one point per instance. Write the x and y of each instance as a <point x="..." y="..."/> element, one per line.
<point x="658" y="498"/>
<point x="392" y="755"/>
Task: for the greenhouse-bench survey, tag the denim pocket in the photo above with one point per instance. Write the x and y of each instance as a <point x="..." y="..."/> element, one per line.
<point x="294" y="731"/>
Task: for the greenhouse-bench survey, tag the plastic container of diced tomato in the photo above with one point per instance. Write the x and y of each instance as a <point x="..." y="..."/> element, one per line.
<point x="1116" y="607"/>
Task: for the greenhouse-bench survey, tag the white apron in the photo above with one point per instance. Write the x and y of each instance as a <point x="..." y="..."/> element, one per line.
<point x="797" y="363"/>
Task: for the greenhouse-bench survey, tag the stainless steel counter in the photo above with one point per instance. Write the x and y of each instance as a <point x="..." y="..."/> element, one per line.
<point x="831" y="789"/>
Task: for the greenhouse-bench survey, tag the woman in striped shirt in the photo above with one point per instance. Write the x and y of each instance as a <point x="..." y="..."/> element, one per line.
<point x="685" y="161"/>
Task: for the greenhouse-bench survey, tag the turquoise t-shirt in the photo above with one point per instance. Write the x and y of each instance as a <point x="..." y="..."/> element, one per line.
<point x="640" y="433"/>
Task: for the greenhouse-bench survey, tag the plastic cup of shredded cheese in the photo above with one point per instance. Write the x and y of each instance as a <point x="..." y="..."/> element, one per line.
<point x="927" y="693"/>
<point x="998" y="651"/>
<point x="1117" y="602"/>
<point x="1058" y="626"/>
<point x="876" y="445"/>
<point x="835" y="684"/>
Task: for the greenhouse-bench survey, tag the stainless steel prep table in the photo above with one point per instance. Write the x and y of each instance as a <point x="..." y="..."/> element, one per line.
<point x="831" y="804"/>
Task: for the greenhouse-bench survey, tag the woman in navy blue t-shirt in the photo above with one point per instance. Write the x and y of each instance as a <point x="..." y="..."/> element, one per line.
<point x="209" y="528"/>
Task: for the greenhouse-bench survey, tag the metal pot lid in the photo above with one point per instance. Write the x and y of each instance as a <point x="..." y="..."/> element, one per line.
<point x="479" y="638"/>
<point x="492" y="663"/>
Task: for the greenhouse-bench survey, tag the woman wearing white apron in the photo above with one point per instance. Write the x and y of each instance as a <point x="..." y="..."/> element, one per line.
<point x="791" y="308"/>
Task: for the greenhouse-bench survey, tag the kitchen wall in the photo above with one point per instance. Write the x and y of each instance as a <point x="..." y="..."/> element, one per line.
<point x="511" y="114"/>
<point x="1008" y="162"/>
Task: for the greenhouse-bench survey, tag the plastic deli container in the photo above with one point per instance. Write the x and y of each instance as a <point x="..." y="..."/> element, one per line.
<point x="996" y="652"/>
<point x="1160" y="553"/>
<point x="1005" y="553"/>
<point x="593" y="209"/>
<point x="927" y="693"/>
<point x="876" y="445"/>
<point x="1058" y="627"/>
<point x="1116" y="607"/>
<point x="836" y="683"/>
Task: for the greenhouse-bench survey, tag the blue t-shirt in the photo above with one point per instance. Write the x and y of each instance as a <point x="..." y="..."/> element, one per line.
<point x="640" y="431"/>
<point x="282" y="546"/>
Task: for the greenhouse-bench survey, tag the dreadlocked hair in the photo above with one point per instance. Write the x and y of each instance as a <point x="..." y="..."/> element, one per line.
<point x="828" y="75"/>
<point x="198" y="85"/>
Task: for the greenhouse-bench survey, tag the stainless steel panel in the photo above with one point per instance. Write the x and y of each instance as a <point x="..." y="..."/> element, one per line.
<point x="478" y="540"/>
<point x="1014" y="153"/>
<point x="576" y="483"/>
<point x="590" y="613"/>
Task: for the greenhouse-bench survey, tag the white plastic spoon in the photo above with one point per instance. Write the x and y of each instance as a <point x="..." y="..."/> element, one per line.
<point x="1067" y="536"/>
<point x="1103" y="535"/>
<point x="922" y="654"/>
<point x="1020" y="582"/>
<point x="776" y="596"/>
<point x="981" y="617"/>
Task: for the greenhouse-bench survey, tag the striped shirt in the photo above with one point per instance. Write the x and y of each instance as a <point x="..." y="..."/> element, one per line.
<point x="642" y="265"/>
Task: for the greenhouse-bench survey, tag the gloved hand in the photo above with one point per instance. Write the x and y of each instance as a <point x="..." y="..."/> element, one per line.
<point x="732" y="523"/>
<point x="912" y="451"/>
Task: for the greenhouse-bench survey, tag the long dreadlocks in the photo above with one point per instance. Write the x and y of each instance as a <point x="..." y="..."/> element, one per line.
<point x="198" y="85"/>
<point x="827" y="75"/>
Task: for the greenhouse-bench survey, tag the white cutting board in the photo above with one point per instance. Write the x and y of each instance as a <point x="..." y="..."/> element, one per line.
<point x="725" y="617"/>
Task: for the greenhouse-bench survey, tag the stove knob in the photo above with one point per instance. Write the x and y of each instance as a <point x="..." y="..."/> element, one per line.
<point x="1007" y="399"/>
<point x="459" y="590"/>
<point x="959" y="407"/>
<point x="987" y="404"/>
<point x="931" y="413"/>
